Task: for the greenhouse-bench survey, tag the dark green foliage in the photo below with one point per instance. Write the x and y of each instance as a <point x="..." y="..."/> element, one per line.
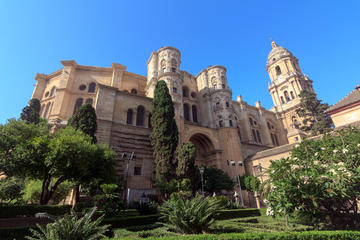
<point x="250" y="183"/>
<point x="11" y="233"/>
<point x="119" y="222"/>
<point x="110" y="202"/>
<point x="216" y="180"/>
<point x="10" y="189"/>
<point x="164" y="135"/>
<point x="315" y="120"/>
<point x="85" y="120"/>
<point x="29" y="150"/>
<point x="191" y="216"/>
<point x="309" y="235"/>
<point x="237" y="213"/>
<point x="10" y="211"/>
<point x="186" y="160"/>
<point x="147" y="208"/>
<point x="31" y="113"/>
<point x="71" y="227"/>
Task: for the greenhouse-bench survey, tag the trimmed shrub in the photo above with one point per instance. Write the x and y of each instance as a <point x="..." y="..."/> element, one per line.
<point x="9" y="211"/>
<point x="237" y="213"/>
<point x="311" y="235"/>
<point x="14" y="232"/>
<point x="118" y="222"/>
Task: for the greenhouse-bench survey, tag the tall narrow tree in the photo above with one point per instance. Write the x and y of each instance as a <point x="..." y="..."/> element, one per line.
<point x="315" y="120"/>
<point x="84" y="119"/>
<point x="31" y="113"/>
<point x="164" y="135"/>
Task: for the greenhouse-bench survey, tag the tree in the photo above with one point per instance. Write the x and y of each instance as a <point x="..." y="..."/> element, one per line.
<point x="29" y="150"/>
<point x="164" y="135"/>
<point x="31" y="113"/>
<point x="85" y="120"/>
<point x="10" y="189"/>
<point x="250" y="183"/>
<point x="321" y="179"/>
<point x="216" y="180"/>
<point x="315" y="120"/>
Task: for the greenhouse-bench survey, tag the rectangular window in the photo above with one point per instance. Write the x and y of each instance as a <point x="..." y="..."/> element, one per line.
<point x="137" y="171"/>
<point x="221" y="123"/>
<point x="230" y="123"/>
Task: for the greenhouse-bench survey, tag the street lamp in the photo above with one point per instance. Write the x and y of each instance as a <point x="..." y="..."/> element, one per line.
<point x="124" y="157"/>
<point x="202" y="169"/>
<point x="238" y="179"/>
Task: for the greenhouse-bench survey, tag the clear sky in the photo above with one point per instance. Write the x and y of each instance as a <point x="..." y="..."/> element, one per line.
<point x="37" y="35"/>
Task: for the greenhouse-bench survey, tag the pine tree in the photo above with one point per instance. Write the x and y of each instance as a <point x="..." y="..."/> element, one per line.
<point x="31" y="113"/>
<point x="85" y="120"/>
<point x="164" y="135"/>
<point x="315" y="120"/>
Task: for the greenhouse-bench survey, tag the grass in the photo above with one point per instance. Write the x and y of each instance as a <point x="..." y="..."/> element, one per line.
<point x="258" y="224"/>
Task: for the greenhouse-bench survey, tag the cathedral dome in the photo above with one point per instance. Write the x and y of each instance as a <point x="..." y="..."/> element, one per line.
<point x="276" y="53"/>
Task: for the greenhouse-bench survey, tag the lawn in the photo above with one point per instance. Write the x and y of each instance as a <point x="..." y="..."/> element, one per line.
<point x="258" y="224"/>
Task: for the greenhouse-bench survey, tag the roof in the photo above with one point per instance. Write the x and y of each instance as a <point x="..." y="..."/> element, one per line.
<point x="352" y="97"/>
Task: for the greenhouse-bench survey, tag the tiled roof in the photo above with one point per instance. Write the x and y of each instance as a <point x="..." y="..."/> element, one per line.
<point x="352" y="97"/>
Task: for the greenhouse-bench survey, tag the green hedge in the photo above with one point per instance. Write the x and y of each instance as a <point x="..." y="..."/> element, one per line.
<point x="10" y="211"/>
<point x="118" y="222"/>
<point x="311" y="235"/>
<point x="15" y="233"/>
<point x="237" y="213"/>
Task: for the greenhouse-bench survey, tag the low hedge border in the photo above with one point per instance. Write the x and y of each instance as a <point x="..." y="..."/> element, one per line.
<point x="118" y="222"/>
<point x="237" y="213"/>
<point x="12" y="211"/>
<point x="311" y="235"/>
<point x="15" y="232"/>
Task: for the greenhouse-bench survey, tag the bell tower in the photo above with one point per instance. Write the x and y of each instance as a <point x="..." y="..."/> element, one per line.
<point x="287" y="81"/>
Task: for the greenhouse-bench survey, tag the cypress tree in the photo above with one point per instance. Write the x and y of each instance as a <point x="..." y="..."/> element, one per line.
<point x="31" y="113"/>
<point x="85" y="120"/>
<point x="186" y="160"/>
<point x="164" y="135"/>
<point x="315" y="120"/>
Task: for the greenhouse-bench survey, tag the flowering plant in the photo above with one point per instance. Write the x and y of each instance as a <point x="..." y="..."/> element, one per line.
<point x="321" y="179"/>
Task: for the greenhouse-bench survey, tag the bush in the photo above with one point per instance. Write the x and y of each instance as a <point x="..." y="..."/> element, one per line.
<point x="14" y="232"/>
<point x="33" y="188"/>
<point x="310" y="235"/>
<point x="109" y="202"/>
<point x="147" y="208"/>
<point x="237" y="213"/>
<point x="190" y="216"/>
<point x="119" y="222"/>
<point x="9" y="211"/>
<point x="10" y="189"/>
<point x="71" y="227"/>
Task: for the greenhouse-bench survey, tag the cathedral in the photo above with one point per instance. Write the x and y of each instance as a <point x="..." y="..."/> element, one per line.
<point x="231" y="135"/>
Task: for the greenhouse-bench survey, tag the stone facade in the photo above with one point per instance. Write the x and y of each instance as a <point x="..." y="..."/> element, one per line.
<point x="226" y="133"/>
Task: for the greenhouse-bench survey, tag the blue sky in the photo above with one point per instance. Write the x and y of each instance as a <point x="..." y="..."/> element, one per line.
<point x="37" y="35"/>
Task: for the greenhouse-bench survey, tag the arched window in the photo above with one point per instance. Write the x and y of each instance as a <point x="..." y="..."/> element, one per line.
<point x="185" y="91"/>
<point x="149" y="121"/>
<point x="89" y="100"/>
<point x="221" y="123"/>
<point x="163" y="65"/>
<point x="253" y="133"/>
<point x="292" y="95"/>
<point x="227" y="104"/>
<point x="276" y="140"/>
<point x="174" y="90"/>
<point x="129" y="116"/>
<point x="52" y="92"/>
<point x="78" y="104"/>
<point x="47" y="110"/>
<point x="251" y="121"/>
<point x="140" y="116"/>
<point x="47" y="94"/>
<point x="133" y="91"/>
<point x="186" y="112"/>
<point x="42" y="109"/>
<point x="286" y="94"/>
<point x="278" y="70"/>
<point x="173" y="65"/>
<point x="223" y="86"/>
<point x="258" y="136"/>
<point x="194" y="113"/>
<point x="239" y="132"/>
<point x="92" y="87"/>
<point x="230" y="123"/>
<point x="193" y="95"/>
<point x="282" y="99"/>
